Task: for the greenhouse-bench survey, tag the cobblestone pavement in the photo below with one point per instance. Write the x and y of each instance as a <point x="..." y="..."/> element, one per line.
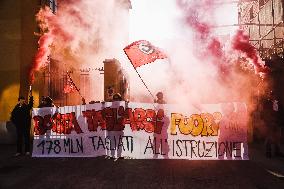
<point x="27" y="172"/>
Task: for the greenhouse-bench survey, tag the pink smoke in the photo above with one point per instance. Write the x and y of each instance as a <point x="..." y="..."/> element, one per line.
<point x="241" y="43"/>
<point x="51" y="29"/>
<point x="44" y="42"/>
<point x="82" y="33"/>
<point x="41" y="57"/>
<point x="197" y="17"/>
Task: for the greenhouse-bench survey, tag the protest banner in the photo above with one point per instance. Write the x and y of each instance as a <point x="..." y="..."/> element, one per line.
<point x="142" y="131"/>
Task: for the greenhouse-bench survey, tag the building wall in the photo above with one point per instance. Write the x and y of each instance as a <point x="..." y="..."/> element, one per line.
<point x="91" y="83"/>
<point x="260" y="15"/>
<point x="29" y="44"/>
<point x="18" y="46"/>
<point x="10" y="53"/>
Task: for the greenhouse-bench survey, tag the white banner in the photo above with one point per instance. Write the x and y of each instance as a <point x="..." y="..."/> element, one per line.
<point x="142" y="131"/>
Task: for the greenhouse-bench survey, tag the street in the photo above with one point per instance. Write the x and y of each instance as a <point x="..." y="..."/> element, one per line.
<point x="27" y="172"/>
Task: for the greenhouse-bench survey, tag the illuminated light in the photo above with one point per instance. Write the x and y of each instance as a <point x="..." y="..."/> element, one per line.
<point x="8" y="100"/>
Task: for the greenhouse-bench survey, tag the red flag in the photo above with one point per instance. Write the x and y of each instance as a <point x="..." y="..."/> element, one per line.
<point x="69" y="87"/>
<point x="143" y="52"/>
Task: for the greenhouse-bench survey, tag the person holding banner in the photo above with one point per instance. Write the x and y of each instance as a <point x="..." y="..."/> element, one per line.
<point x="160" y="98"/>
<point x="21" y="117"/>
<point x="116" y="97"/>
<point x="46" y="102"/>
<point x="42" y="102"/>
<point x="162" y="138"/>
<point x="114" y="152"/>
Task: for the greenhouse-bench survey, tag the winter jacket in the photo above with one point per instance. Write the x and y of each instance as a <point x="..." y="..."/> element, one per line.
<point x="21" y="115"/>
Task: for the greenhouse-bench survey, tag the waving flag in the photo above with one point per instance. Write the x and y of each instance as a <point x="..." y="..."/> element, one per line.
<point x="69" y="87"/>
<point x="143" y="52"/>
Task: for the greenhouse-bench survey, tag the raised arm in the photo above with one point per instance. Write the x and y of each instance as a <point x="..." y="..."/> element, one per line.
<point x="31" y="102"/>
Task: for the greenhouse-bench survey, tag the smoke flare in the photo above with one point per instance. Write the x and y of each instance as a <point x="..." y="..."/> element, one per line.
<point x="241" y="43"/>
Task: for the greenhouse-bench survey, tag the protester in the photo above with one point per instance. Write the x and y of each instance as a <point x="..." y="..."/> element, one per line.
<point x="160" y="98"/>
<point x="163" y="136"/>
<point x="21" y="117"/>
<point x="116" y="97"/>
<point x="83" y="101"/>
<point x="115" y="134"/>
<point x="42" y="102"/>
<point x="270" y="115"/>
<point x="49" y="102"/>
<point x="46" y="102"/>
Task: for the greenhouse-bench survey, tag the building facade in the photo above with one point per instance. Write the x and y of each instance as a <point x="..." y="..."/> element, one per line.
<point x="19" y="45"/>
<point x="262" y="20"/>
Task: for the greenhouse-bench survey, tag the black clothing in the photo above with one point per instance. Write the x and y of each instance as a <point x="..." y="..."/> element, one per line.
<point x="46" y="102"/>
<point x="21" y="117"/>
<point x="268" y="114"/>
<point x="272" y="117"/>
<point x="23" y="135"/>
<point x="21" y="114"/>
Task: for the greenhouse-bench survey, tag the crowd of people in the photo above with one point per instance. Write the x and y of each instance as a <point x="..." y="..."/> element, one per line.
<point x="21" y="118"/>
<point x="271" y="113"/>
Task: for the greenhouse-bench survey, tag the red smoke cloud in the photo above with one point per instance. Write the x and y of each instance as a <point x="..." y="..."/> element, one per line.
<point x="52" y="28"/>
<point x="208" y="45"/>
<point x="241" y="43"/>
<point x="197" y="17"/>
<point x="82" y="33"/>
<point x="41" y="57"/>
<point x="75" y="31"/>
<point x="215" y="48"/>
<point x="201" y="28"/>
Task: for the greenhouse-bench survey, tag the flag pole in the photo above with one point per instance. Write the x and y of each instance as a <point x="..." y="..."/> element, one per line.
<point x="144" y="83"/>
<point x="145" y="86"/>
<point x="78" y="90"/>
<point x="140" y="77"/>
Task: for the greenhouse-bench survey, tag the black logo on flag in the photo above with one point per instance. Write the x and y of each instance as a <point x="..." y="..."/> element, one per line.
<point x="146" y="48"/>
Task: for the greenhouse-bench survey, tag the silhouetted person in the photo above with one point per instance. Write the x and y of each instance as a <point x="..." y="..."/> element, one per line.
<point x="83" y="101"/>
<point x="160" y="98"/>
<point x="46" y="102"/>
<point x="115" y="134"/>
<point x="162" y="138"/>
<point x="92" y="102"/>
<point x="49" y="102"/>
<point x="271" y="119"/>
<point x="42" y="102"/>
<point x="116" y="97"/>
<point x="162" y="144"/>
<point x="21" y="117"/>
